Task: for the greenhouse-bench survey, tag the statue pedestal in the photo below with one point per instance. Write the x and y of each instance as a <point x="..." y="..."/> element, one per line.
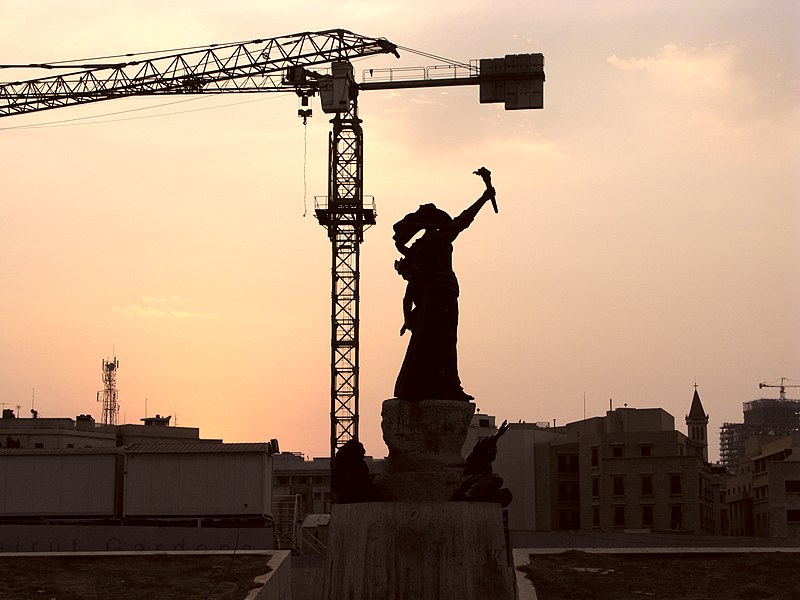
<point x="425" y="439"/>
<point x="419" y="550"/>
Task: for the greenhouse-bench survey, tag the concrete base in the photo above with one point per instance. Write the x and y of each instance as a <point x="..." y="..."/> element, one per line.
<point x="425" y="439"/>
<point x="419" y="550"/>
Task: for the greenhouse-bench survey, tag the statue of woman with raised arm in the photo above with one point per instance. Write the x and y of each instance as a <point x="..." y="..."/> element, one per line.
<point x="430" y="305"/>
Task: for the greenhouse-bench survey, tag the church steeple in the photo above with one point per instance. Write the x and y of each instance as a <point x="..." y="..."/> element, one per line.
<point x="697" y="423"/>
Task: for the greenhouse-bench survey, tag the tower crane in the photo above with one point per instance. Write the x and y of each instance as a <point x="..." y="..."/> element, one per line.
<point x="283" y="64"/>
<point x="783" y="385"/>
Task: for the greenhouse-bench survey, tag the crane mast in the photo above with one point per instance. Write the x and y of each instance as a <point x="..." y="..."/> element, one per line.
<point x="345" y="218"/>
<point x="278" y="65"/>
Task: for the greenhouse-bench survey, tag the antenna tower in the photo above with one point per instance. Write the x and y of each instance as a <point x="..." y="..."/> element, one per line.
<point x="109" y="393"/>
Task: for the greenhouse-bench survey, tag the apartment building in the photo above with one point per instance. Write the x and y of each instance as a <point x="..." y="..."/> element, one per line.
<point x="763" y="497"/>
<point x="628" y="470"/>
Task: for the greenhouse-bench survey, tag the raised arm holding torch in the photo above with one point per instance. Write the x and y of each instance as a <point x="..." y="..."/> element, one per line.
<point x="486" y="175"/>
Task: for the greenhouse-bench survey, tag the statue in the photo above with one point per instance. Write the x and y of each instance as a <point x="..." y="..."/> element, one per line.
<point x="350" y="478"/>
<point x="430" y="305"/>
<point x="479" y="484"/>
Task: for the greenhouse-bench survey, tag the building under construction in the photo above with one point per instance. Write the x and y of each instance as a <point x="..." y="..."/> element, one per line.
<point x="764" y="416"/>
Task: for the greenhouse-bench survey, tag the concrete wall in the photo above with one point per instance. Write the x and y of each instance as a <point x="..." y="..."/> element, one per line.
<point x="202" y="484"/>
<point x="66" y="485"/>
<point x="277" y="583"/>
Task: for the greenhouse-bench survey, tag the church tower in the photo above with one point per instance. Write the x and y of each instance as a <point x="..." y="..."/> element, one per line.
<point x="697" y="424"/>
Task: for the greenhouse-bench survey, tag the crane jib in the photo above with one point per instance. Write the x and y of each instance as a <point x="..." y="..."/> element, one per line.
<point x="254" y="66"/>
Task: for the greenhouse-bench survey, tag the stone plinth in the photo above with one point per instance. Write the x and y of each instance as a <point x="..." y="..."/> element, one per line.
<point x="419" y="551"/>
<point x="425" y="439"/>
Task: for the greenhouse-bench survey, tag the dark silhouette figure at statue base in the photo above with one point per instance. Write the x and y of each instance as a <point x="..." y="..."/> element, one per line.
<point x="430" y="305"/>
<point x="479" y="483"/>
<point x="350" y="478"/>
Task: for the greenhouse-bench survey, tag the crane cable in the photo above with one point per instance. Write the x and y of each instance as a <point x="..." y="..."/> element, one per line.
<point x="435" y="57"/>
<point x="305" y="164"/>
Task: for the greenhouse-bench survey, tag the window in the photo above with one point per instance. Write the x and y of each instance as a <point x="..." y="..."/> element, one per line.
<point x="572" y="463"/>
<point x="569" y="520"/>
<point x="646" y="450"/>
<point x="282" y="480"/>
<point x="792" y="486"/>
<point x="595" y="487"/>
<point x="676" y="518"/>
<point x="674" y="484"/>
<point x="567" y="463"/>
<point x="38" y="445"/>
<point x="616" y="451"/>
<point x="575" y="492"/>
<point x="70" y="445"/>
<point x="595" y="457"/>
<point x="647" y="485"/>
<point x="568" y="492"/>
<point x="619" y="516"/>
<point x="793" y="516"/>
<point x="619" y="485"/>
<point x="561" y="459"/>
<point x="483" y="422"/>
<point x="647" y="516"/>
<point x="595" y="516"/>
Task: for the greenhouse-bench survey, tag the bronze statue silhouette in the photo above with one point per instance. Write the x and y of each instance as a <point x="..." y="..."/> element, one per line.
<point x="430" y="305"/>
<point x="479" y="483"/>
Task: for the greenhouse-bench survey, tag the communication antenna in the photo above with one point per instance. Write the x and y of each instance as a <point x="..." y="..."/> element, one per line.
<point x="109" y="393"/>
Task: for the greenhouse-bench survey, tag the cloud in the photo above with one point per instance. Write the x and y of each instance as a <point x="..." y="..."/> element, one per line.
<point x="724" y="89"/>
<point x="155" y="307"/>
<point x="709" y="68"/>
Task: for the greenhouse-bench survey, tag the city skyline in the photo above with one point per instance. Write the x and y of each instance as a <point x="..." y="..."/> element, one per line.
<point x="647" y="235"/>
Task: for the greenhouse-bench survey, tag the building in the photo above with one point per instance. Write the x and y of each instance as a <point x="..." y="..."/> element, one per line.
<point x="628" y="470"/>
<point x="515" y="461"/>
<point x="764" y="416"/>
<point x="73" y="484"/>
<point x="39" y="433"/>
<point x="697" y="425"/>
<point x="763" y="497"/>
<point x="304" y="483"/>
<point x="731" y="445"/>
<point x="53" y="433"/>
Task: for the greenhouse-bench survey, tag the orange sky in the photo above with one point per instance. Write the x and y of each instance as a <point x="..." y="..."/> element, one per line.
<point x="647" y="235"/>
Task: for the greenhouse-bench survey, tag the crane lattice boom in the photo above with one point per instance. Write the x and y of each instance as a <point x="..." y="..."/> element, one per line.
<point x="255" y="66"/>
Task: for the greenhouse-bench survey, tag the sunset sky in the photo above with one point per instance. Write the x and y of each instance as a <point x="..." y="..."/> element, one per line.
<point x="648" y="235"/>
